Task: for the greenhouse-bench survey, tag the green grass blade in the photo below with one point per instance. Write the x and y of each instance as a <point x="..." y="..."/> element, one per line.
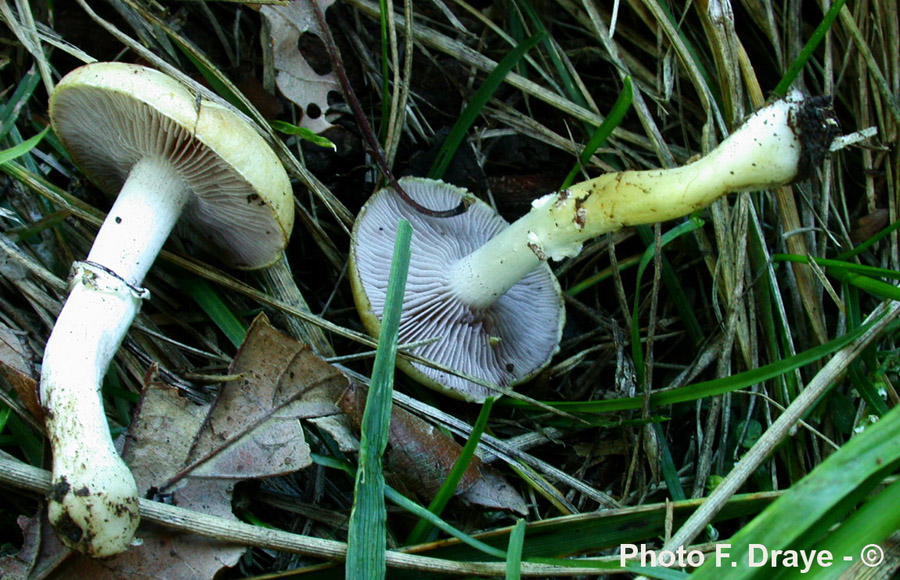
<point x="385" y="70"/>
<point x="415" y="509"/>
<point x="214" y="307"/>
<point x="866" y="389"/>
<point x="870" y="242"/>
<point x="806" y="52"/>
<point x="774" y="328"/>
<point x="15" y="136"/>
<point x="333" y="463"/>
<point x="366" y="540"/>
<point x="5" y="412"/>
<point x="551" y="541"/>
<point x="675" y="289"/>
<point x="840" y="264"/>
<point x="514" y="552"/>
<point x="27" y="232"/>
<point x="49" y="191"/>
<point x="870" y="285"/>
<point x="855" y="371"/>
<point x="691" y="50"/>
<point x="612" y="120"/>
<point x="552" y="50"/>
<point x="303" y="133"/>
<point x="801" y="517"/>
<point x="877" y="519"/>
<point x="667" y="465"/>
<point x="9" y="112"/>
<point x="26" y="438"/>
<point x="448" y="488"/>
<point x="22" y="148"/>
<point x="679" y="230"/>
<point x="710" y="388"/>
<point x="422" y="512"/>
<point x="583" y="285"/>
<point x="857" y="275"/>
<point x="473" y="109"/>
<point x="658" y="572"/>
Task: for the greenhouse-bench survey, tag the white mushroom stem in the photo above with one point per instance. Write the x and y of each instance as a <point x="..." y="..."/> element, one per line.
<point x="763" y="153"/>
<point x="94" y="502"/>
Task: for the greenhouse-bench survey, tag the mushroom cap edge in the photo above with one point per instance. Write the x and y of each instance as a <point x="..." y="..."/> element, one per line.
<point x="428" y="376"/>
<point x="220" y="130"/>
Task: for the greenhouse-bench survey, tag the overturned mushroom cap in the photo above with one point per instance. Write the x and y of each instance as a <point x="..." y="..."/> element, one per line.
<point x="503" y="344"/>
<point x="109" y="116"/>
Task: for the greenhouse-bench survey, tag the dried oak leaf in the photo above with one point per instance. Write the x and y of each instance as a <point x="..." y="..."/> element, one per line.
<point x="295" y="77"/>
<point x="419" y="458"/>
<point x="193" y="455"/>
<point x="17" y="369"/>
<point x="40" y="554"/>
<point x="256" y="416"/>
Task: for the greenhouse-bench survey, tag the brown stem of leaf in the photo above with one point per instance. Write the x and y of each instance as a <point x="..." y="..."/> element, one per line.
<point x="366" y="128"/>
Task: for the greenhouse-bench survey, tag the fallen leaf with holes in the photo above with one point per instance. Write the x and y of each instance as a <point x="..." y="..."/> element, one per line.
<point x="419" y="458"/>
<point x="295" y="77"/>
<point x="40" y="554"/>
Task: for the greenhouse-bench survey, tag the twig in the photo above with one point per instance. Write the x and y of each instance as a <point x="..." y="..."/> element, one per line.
<point x="18" y="474"/>
<point x="366" y="128"/>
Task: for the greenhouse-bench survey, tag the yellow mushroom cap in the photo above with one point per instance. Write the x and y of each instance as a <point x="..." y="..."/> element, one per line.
<point x="110" y="115"/>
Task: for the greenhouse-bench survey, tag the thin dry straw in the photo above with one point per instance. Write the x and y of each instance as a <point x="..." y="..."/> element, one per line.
<point x="880" y="318"/>
<point x="18" y="474"/>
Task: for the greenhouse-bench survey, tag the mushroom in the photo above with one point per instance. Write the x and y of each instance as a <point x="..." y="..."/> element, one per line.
<point x="508" y="340"/>
<point x="169" y="154"/>
<point x="471" y="267"/>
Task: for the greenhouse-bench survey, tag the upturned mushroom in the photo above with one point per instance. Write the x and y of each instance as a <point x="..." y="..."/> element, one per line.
<point x="508" y="340"/>
<point x="484" y="289"/>
<point x="170" y="156"/>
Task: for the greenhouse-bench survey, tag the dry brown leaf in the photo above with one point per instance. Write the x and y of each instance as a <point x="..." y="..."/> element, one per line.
<point x="295" y="78"/>
<point x="419" y="458"/>
<point x="256" y="417"/>
<point x="193" y="455"/>
<point x="158" y="443"/>
<point x="491" y="490"/>
<point x="318" y="405"/>
<point x="40" y="554"/>
<point x="160" y="436"/>
<point x="157" y="446"/>
<point x="17" y="369"/>
<point x="869" y="225"/>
